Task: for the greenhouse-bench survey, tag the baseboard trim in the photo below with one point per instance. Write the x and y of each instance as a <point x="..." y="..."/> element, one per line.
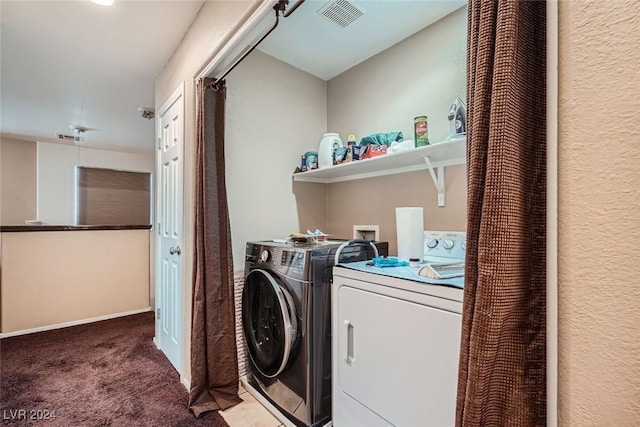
<point x="185" y="382"/>
<point x="73" y="323"/>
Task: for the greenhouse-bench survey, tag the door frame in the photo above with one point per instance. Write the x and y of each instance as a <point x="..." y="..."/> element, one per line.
<point x="178" y="93"/>
<point x="552" y="213"/>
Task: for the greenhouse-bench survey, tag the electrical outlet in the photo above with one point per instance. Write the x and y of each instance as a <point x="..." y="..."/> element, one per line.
<point x="367" y="232"/>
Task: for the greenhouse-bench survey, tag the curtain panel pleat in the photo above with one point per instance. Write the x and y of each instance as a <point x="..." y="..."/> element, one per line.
<point x="214" y="367"/>
<point x="502" y="371"/>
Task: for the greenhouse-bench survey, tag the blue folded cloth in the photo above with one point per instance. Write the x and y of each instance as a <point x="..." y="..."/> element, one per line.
<point x="392" y="261"/>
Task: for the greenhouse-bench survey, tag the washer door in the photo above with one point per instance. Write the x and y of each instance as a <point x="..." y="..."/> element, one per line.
<point x="269" y="322"/>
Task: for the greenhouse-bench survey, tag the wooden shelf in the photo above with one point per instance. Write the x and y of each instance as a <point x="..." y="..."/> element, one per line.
<point x="441" y="154"/>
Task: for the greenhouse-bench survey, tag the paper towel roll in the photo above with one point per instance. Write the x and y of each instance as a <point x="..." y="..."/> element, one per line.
<point x="410" y="233"/>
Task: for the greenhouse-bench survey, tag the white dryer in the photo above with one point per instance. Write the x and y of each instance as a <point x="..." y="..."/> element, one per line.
<point x="396" y="343"/>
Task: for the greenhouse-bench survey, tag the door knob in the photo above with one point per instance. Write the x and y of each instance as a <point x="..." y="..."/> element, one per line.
<point x="176" y="250"/>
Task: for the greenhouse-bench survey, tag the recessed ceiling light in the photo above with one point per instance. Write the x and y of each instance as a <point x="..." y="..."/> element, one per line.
<point x="103" y="2"/>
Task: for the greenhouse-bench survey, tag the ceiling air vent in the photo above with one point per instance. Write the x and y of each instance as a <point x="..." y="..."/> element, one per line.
<point x="341" y="12"/>
<point x="68" y="137"/>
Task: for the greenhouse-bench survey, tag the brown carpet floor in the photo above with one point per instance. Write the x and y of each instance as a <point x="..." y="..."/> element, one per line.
<point x="107" y="373"/>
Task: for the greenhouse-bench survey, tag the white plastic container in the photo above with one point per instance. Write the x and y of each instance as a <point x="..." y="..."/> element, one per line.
<point x="328" y="143"/>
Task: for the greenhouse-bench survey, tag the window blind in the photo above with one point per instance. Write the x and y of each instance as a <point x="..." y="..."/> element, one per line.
<point x="112" y="197"/>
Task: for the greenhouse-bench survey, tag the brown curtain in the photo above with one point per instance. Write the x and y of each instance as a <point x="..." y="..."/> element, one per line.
<point x="214" y="367"/>
<point x="502" y="360"/>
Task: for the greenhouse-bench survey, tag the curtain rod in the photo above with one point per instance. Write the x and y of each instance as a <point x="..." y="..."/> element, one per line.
<point x="280" y="7"/>
<point x="293" y="8"/>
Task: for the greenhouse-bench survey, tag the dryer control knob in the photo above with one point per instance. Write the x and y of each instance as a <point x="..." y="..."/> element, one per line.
<point x="265" y="255"/>
<point x="448" y="244"/>
<point x="432" y="243"/>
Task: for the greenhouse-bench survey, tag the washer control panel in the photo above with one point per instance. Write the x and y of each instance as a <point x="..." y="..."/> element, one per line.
<point x="293" y="259"/>
<point x="285" y="259"/>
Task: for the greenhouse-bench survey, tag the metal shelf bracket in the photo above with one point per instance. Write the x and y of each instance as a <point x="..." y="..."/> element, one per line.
<point x="438" y="179"/>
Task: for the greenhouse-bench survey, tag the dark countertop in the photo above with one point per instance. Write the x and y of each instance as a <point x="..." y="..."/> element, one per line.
<point x="22" y="228"/>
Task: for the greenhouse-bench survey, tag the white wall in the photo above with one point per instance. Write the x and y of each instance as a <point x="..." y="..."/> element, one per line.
<point x="17" y="181"/>
<point x="116" y="160"/>
<point x="420" y="75"/>
<point x="275" y="113"/>
<point x="55" y="193"/>
<point x="56" y="176"/>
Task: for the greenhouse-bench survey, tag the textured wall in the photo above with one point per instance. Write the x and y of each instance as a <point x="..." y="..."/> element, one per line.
<point x="599" y="223"/>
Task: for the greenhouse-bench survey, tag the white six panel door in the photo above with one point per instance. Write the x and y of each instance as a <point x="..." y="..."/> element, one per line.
<point x="169" y="230"/>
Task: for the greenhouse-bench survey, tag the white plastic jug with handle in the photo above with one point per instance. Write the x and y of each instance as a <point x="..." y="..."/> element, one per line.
<point x="328" y="143"/>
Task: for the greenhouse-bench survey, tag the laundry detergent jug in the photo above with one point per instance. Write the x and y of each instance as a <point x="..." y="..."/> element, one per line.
<point x="328" y="143"/>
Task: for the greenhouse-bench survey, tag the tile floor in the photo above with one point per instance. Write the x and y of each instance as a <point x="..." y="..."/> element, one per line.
<point x="249" y="413"/>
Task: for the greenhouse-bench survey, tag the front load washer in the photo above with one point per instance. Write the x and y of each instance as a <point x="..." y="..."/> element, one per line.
<point x="286" y="319"/>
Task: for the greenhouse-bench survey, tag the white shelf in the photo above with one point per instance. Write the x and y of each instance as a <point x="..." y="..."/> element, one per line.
<point x="447" y="153"/>
<point x="434" y="158"/>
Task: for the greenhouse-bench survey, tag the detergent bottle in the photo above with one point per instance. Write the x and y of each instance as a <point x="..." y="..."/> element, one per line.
<point x="328" y="144"/>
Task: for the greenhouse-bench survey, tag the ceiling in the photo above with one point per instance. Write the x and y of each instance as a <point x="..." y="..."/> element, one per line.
<point x="320" y="47"/>
<point x="74" y="63"/>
